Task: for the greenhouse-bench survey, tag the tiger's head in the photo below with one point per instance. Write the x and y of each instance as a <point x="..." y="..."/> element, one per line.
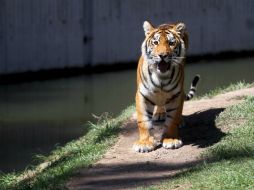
<point x="164" y="46"/>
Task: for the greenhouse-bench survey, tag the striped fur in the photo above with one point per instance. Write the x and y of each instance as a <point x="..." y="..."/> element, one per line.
<point x="193" y="88"/>
<point x="160" y="79"/>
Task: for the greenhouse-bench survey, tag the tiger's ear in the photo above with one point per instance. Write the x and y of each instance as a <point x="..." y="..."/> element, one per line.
<point x="147" y="27"/>
<point x="180" y="28"/>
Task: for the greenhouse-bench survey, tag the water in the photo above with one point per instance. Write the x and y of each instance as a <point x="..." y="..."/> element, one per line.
<point x="37" y="116"/>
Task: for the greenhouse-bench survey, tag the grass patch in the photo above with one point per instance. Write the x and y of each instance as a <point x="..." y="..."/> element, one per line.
<point x="233" y="174"/>
<point x="231" y="161"/>
<point x="239" y="119"/>
<point x="220" y="90"/>
<point x="56" y="168"/>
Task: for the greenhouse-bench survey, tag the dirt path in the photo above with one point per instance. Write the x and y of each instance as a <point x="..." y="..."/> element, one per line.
<point x="122" y="168"/>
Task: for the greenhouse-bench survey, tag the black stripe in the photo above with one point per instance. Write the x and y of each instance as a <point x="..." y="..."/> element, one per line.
<point x="149" y="114"/>
<point x="193" y="89"/>
<point x="169" y="116"/>
<point x="195" y="80"/>
<point x="149" y="117"/>
<point x="178" y="73"/>
<point x="146" y="47"/>
<point x="171" y="109"/>
<point x="177" y="83"/>
<point x="175" y="86"/>
<point x="151" y="102"/>
<point x="173" y="82"/>
<point x="170" y="78"/>
<point x="172" y="74"/>
<point x="180" y="49"/>
<point x="177" y="79"/>
<point x="150" y="76"/>
<point x="141" y="77"/>
<point x="188" y="96"/>
<point x="173" y="97"/>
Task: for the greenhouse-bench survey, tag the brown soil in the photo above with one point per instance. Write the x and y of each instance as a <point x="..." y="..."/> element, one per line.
<point x="122" y="168"/>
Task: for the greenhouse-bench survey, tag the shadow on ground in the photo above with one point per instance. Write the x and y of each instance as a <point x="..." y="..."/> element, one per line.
<point x="117" y="176"/>
<point x="200" y="128"/>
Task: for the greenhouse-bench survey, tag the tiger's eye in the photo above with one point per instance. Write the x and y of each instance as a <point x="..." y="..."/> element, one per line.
<point x="171" y="42"/>
<point x="156" y="42"/>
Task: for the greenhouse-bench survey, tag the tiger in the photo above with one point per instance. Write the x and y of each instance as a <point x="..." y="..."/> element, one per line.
<point x="160" y="79"/>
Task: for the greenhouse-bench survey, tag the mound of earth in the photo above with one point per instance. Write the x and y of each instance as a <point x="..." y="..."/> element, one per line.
<point x="122" y="168"/>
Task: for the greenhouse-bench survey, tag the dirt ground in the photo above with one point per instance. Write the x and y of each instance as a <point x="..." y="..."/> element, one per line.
<point x="122" y="168"/>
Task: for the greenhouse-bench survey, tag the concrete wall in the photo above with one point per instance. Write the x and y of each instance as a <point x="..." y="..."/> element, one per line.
<point x="41" y="34"/>
<point x="36" y="34"/>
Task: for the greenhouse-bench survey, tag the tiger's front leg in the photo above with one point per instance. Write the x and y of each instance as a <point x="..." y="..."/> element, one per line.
<point x="144" y="109"/>
<point x="160" y="114"/>
<point x="171" y="138"/>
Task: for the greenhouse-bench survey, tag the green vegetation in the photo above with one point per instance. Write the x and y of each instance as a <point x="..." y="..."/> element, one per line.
<point x="232" y="165"/>
<point x="239" y="142"/>
<point x="233" y="174"/>
<point x="55" y="169"/>
<point x="229" y="163"/>
<point x="220" y="90"/>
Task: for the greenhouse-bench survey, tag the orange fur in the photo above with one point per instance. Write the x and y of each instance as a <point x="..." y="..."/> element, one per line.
<point x="151" y="97"/>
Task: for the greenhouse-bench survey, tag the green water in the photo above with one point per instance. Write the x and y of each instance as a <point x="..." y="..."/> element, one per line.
<point x="37" y="116"/>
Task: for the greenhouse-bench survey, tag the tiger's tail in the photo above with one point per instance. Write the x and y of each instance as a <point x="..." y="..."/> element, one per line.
<point x="193" y="88"/>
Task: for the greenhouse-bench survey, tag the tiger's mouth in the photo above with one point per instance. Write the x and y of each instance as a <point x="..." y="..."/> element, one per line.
<point x="163" y="66"/>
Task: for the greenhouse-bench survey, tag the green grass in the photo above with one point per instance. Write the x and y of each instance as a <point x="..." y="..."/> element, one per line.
<point x="53" y="170"/>
<point x="232" y="174"/>
<point x="239" y="142"/>
<point x="233" y="166"/>
<point x="220" y="90"/>
<point x="229" y="163"/>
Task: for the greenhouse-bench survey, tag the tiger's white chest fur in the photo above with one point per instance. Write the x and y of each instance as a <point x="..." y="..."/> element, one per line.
<point x="160" y="87"/>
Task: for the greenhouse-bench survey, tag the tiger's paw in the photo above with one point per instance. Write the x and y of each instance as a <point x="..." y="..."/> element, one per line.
<point x="172" y="143"/>
<point x="159" y="117"/>
<point x="144" y="146"/>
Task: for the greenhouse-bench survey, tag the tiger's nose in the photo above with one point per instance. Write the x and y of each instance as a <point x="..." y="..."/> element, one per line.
<point x="164" y="56"/>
